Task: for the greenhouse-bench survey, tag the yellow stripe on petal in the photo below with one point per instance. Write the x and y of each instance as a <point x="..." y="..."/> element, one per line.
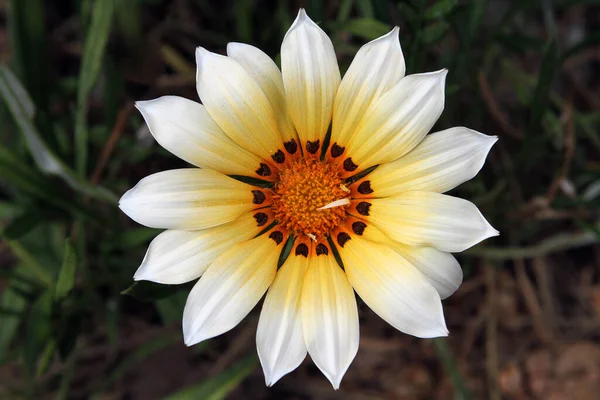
<point x="393" y="288"/>
<point x="237" y="103"/>
<point x="310" y="76"/>
<point x="279" y="337"/>
<point x="377" y="67"/>
<point x="329" y="316"/>
<point x="442" y="161"/>
<point x="187" y="199"/>
<point x="265" y="72"/>
<point x="176" y="257"/>
<point x="427" y="219"/>
<point x="396" y="122"/>
<point x="230" y="288"/>
<point x="185" y="128"/>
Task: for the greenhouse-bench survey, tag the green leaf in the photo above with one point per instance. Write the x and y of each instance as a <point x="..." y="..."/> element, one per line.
<point x="366" y="28"/>
<point x="432" y="33"/>
<point x="46" y="357"/>
<point x="440" y="9"/>
<point x="37" y="330"/>
<point x="171" y="308"/>
<point x="68" y="270"/>
<point x="365" y="8"/>
<point x="344" y="10"/>
<point x="220" y="386"/>
<point x="10" y="300"/>
<point x="24" y="223"/>
<point x="150" y="291"/>
<point x="30" y="262"/>
<point x="93" y="53"/>
<point x="540" y="99"/>
<point x="19" y="106"/>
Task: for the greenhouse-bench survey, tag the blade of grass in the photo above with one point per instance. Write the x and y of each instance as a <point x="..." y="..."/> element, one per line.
<point x="30" y="262"/>
<point x="218" y="387"/>
<point x="93" y="53"/>
<point x="66" y="277"/>
<point x="9" y="323"/>
<point x="19" y="105"/>
<point x="540" y="99"/>
<point x="460" y="391"/>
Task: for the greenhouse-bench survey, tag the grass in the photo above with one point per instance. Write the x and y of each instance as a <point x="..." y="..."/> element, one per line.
<point x="72" y="144"/>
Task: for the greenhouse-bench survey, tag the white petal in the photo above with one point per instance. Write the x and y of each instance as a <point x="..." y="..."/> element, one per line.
<point x="279" y="338"/>
<point x="186" y="199"/>
<point x="442" y="161"/>
<point x="396" y="122"/>
<point x="393" y="288"/>
<point x="377" y="67"/>
<point x="185" y="129"/>
<point x="176" y="257"/>
<point x="440" y="268"/>
<point x="237" y="103"/>
<point x="265" y="72"/>
<point x="329" y="317"/>
<point x="310" y="76"/>
<point x="429" y="219"/>
<point x="229" y="289"/>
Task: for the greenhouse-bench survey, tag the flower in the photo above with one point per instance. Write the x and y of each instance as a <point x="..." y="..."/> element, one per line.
<point x="384" y="232"/>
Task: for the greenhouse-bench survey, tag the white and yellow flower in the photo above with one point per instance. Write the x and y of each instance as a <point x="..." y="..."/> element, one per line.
<point x="392" y="228"/>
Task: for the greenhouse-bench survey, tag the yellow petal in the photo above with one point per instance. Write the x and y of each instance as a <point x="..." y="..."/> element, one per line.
<point x="310" y="76"/>
<point x="393" y="288"/>
<point x="396" y="122"/>
<point x="237" y="103"/>
<point x="442" y="161"/>
<point x="230" y="288"/>
<point x="377" y="67"/>
<point x="279" y="337"/>
<point x="176" y="257"/>
<point x="264" y="71"/>
<point x="329" y="317"/>
<point x="185" y="129"/>
<point x="426" y="219"/>
<point x="187" y="199"/>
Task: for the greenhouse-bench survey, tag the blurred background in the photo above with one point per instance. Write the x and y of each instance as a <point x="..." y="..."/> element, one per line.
<point x="524" y="325"/>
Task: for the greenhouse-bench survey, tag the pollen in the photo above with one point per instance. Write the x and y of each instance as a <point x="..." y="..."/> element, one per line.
<point x="303" y="189"/>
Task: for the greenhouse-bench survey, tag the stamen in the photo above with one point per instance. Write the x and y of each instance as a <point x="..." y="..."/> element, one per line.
<point x="313" y="237"/>
<point x="337" y="203"/>
<point x="345" y="188"/>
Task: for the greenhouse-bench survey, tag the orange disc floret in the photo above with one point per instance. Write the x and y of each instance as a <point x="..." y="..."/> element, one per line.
<point x="304" y="187"/>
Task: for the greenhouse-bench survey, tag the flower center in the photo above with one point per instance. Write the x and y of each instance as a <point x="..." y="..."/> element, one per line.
<point x="303" y="188"/>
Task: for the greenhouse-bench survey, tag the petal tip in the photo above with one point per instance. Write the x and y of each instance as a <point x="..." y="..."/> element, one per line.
<point x="201" y="54"/>
<point x="234" y="47"/>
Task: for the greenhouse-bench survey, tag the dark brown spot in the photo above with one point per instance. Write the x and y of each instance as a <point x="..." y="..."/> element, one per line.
<point x="349" y="164"/>
<point x="264" y="170"/>
<point x="358" y="227"/>
<point x="322" y="249"/>
<point x="363" y="208"/>
<point x="291" y="146"/>
<point x="277" y="236"/>
<point x="302" y="250"/>
<point x="342" y="238"/>
<point x="313" y="147"/>
<point x="365" y="188"/>
<point x="259" y="197"/>
<point x="261" y="218"/>
<point x="337" y="150"/>
<point x="278" y="157"/>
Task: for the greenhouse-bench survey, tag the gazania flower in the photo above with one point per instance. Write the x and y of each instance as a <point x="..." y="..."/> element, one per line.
<point x="359" y="209"/>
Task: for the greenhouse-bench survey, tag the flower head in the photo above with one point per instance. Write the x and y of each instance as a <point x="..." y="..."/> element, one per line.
<point x="370" y="192"/>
